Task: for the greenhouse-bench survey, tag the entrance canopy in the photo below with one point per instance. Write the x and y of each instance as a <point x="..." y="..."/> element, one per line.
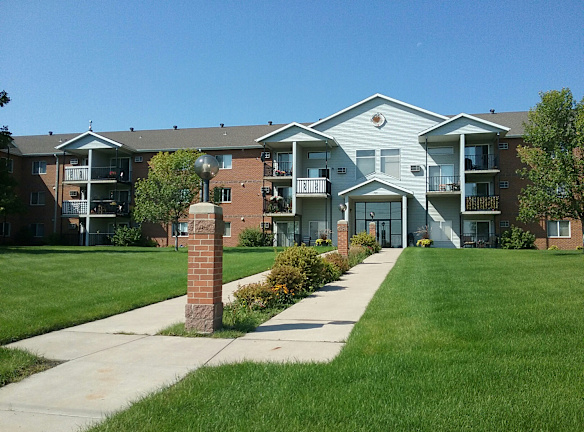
<point x="375" y="188"/>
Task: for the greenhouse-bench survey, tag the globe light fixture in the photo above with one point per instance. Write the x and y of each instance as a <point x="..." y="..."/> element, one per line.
<point x="342" y="208"/>
<point x="206" y="167"/>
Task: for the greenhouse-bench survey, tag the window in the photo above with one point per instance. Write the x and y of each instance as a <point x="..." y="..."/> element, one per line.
<point x="226" y="195"/>
<point x="558" y="228"/>
<point x="224" y="161"/>
<point x="37" y="229"/>
<point x="319" y="155"/>
<point x="227" y="229"/>
<point x="441" y="178"/>
<point x="503" y="146"/>
<point x="504" y="224"/>
<point x="183" y="229"/>
<point x="504" y="184"/>
<point x="476" y="189"/>
<point x="4" y="229"/>
<point x="39" y="167"/>
<point x="390" y="162"/>
<point x="316" y="228"/>
<point x="318" y="172"/>
<point x="37" y="198"/>
<point x="441" y="151"/>
<point x="9" y="163"/>
<point x="365" y="160"/>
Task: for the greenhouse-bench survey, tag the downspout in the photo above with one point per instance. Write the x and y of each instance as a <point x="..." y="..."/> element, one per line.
<point x="56" y="193"/>
<point x="263" y="159"/>
<point x="326" y="222"/>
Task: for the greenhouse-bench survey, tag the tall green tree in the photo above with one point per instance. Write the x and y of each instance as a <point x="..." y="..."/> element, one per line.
<point x="172" y="185"/>
<point x="554" y="157"/>
<point x="10" y="202"/>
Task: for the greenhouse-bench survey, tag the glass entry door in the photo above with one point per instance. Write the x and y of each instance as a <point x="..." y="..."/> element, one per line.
<point x="387" y="218"/>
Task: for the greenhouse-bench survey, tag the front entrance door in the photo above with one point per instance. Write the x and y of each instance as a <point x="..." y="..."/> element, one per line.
<point x="388" y="221"/>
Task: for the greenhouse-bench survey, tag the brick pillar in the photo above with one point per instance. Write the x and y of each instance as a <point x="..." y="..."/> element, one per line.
<point x="343" y="237"/>
<point x="204" y="308"/>
<point x="372" y="229"/>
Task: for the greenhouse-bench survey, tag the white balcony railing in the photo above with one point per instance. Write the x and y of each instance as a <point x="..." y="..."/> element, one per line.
<point x="77" y="173"/>
<point x="76" y="207"/>
<point x="309" y="186"/>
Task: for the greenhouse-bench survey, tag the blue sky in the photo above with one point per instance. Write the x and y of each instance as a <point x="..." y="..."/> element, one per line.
<point x="155" y="64"/>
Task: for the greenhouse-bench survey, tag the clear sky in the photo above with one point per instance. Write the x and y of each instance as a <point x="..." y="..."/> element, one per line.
<point x="155" y="64"/>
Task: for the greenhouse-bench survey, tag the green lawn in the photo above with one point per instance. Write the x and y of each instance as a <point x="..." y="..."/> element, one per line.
<point x="48" y="288"/>
<point x="482" y="340"/>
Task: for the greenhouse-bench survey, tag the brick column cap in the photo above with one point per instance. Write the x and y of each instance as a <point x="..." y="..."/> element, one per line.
<point x="205" y="208"/>
<point x="342" y="222"/>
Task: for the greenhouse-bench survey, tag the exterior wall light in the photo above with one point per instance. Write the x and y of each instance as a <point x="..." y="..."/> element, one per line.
<point x="206" y="167"/>
<point x="342" y="208"/>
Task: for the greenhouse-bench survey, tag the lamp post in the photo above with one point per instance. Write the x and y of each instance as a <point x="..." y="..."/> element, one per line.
<point x="206" y="167"/>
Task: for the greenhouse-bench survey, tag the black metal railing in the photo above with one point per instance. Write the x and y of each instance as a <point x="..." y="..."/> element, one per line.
<point x="319" y="185"/>
<point x="482" y="203"/>
<point x="490" y="240"/>
<point x="481" y="162"/>
<point x="278" y="169"/>
<point x="109" y="207"/>
<point x="100" y="239"/>
<point x="443" y="183"/>
<point x="277" y="204"/>
<point x="107" y="173"/>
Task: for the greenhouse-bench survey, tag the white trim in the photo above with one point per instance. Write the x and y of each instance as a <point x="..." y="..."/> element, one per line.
<point x="386" y="98"/>
<point x="467" y="116"/>
<point x="93" y="134"/>
<point x="558" y="226"/>
<point x="291" y="125"/>
<point x="224" y="226"/>
<point x="365" y="183"/>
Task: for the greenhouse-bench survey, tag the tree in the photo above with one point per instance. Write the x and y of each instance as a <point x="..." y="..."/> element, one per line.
<point x="554" y="158"/>
<point x="172" y="185"/>
<point x="10" y="203"/>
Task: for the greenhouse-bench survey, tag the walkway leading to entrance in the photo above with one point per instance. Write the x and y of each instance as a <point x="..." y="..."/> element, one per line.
<point x="112" y="362"/>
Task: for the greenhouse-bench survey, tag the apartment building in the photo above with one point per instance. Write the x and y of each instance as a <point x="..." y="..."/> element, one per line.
<point x="380" y="160"/>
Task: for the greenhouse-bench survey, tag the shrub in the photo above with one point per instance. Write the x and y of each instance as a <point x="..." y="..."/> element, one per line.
<point x="323" y="242"/>
<point x="287" y="275"/>
<point x="367" y="240"/>
<point x="425" y="242"/>
<point x="126" y="236"/>
<point x="553" y="247"/>
<point x="306" y="260"/>
<point x="283" y="295"/>
<point x="341" y="262"/>
<point x="579" y="247"/>
<point x="254" y="237"/>
<point x="357" y="254"/>
<point x="516" y="238"/>
<point x="255" y="295"/>
<point x="330" y="272"/>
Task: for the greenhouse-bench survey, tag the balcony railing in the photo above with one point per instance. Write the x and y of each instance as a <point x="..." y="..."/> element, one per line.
<point x="278" y="169"/>
<point x="481" y="162"/>
<point x="277" y="204"/>
<point x="97" y="173"/>
<point x="443" y="183"/>
<point x="99" y="239"/>
<point x="480" y="240"/>
<point x="75" y="207"/>
<point x="482" y="203"/>
<point x="109" y="207"/>
<point x="308" y="186"/>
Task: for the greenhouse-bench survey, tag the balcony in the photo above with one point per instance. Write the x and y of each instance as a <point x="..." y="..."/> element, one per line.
<point x="481" y="162"/>
<point x="278" y="169"/>
<point x="316" y="187"/>
<point x="81" y="174"/>
<point x="444" y="184"/>
<point x="109" y="207"/>
<point x="480" y="240"/>
<point x="75" y="207"/>
<point x="100" y="239"/>
<point x="278" y="205"/>
<point x="482" y="203"/>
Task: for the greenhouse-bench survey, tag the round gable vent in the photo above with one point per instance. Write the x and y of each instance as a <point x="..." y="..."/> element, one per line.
<point x="377" y="119"/>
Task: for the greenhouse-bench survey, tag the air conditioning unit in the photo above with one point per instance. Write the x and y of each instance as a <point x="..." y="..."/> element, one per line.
<point x="265" y="225"/>
<point x="266" y="190"/>
<point x="266" y="155"/>
<point x="72" y="226"/>
<point x="73" y="194"/>
<point x="138" y="159"/>
<point x="341" y="170"/>
<point x="415" y="168"/>
<point x="74" y="161"/>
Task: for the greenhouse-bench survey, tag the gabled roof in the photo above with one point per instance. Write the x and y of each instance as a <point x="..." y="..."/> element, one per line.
<point x="67" y="144"/>
<point x="514" y="120"/>
<point x="454" y="119"/>
<point x="400" y="190"/>
<point x="296" y="125"/>
<point x="383" y="97"/>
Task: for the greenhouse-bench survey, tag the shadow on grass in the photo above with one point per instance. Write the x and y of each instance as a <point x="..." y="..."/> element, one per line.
<point x="47" y="250"/>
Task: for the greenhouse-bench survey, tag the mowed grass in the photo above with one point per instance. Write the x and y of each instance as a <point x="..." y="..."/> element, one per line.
<point x="49" y="288"/>
<point x="482" y="340"/>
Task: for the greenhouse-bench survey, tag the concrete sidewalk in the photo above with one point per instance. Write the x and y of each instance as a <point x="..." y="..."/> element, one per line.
<point x="111" y="362"/>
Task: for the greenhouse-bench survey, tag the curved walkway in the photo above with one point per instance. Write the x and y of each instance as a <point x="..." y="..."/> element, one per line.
<point x="111" y="362"/>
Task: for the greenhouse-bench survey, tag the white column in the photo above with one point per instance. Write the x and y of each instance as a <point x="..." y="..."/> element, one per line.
<point x="462" y="175"/>
<point x="88" y="224"/>
<point x="404" y="221"/>
<point x="346" y="213"/>
<point x="295" y="162"/>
